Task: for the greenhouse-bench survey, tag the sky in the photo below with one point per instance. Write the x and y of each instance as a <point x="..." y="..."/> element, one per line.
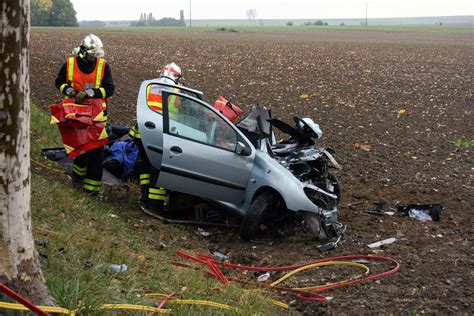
<point x="269" y="9"/>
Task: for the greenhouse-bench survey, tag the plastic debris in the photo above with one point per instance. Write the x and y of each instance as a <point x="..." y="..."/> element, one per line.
<point x="88" y="264"/>
<point x="118" y="268"/>
<point x="433" y="210"/>
<point x="382" y="243"/>
<point x="203" y="232"/>
<point x="263" y="277"/>
<point x="220" y="255"/>
<point x="329" y="246"/>
<point x="113" y="215"/>
<point x="420" y="215"/>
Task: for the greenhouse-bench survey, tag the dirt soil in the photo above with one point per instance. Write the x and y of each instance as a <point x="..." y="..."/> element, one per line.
<point x="390" y="103"/>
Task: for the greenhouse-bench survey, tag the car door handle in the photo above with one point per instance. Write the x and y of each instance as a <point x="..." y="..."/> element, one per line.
<point x="176" y="150"/>
<point x="150" y="125"/>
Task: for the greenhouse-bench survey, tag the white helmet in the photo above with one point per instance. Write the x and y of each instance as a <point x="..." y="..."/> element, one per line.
<point x="171" y="71"/>
<point x="308" y="127"/>
<point x="92" y="45"/>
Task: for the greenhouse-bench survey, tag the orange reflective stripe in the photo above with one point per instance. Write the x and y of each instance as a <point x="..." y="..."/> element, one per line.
<point x="154" y="101"/>
<point x="155" y="98"/>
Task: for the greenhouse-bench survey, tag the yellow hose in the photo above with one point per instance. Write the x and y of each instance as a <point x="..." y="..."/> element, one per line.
<point x="65" y="311"/>
<point x="320" y="264"/>
<point x="193" y="302"/>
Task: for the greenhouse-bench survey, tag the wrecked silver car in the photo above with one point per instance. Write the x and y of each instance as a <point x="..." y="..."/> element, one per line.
<point x="240" y="167"/>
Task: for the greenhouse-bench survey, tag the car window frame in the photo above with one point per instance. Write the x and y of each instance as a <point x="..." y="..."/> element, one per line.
<point x="165" y="115"/>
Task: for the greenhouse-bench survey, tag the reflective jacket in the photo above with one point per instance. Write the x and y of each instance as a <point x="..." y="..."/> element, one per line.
<point x="82" y="81"/>
<point x="155" y="99"/>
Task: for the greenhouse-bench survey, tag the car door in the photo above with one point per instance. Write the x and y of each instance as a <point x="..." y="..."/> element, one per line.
<point x="198" y="149"/>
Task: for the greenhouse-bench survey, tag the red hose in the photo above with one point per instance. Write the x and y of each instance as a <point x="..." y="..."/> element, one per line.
<point x="215" y="270"/>
<point x="312" y="295"/>
<point x="22" y="300"/>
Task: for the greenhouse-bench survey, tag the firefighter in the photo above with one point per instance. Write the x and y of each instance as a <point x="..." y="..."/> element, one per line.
<point x="87" y="75"/>
<point x="152" y="195"/>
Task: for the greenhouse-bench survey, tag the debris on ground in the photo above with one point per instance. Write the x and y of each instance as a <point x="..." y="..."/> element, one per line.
<point x="220" y="255"/>
<point x="382" y="243"/>
<point x="202" y="232"/>
<point x="118" y="268"/>
<point x="330" y="245"/>
<point x="378" y="210"/>
<point x="263" y="277"/>
<point x="423" y="212"/>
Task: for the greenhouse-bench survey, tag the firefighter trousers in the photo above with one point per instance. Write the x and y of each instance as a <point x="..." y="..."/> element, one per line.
<point x="152" y="195"/>
<point x="87" y="171"/>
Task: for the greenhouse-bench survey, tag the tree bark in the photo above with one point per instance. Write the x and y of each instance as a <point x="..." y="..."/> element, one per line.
<point x="19" y="264"/>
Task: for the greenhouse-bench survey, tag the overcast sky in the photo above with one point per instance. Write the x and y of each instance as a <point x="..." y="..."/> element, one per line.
<point x="269" y="9"/>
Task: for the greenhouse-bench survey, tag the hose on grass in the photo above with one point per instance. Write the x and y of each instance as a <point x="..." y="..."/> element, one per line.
<point x="65" y="311"/>
<point x="321" y="264"/>
<point x="310" y="293"/>
<point x="24" y="302"/>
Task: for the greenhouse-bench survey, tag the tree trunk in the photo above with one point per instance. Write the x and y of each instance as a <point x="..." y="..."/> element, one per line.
<point x="19" y="264"/>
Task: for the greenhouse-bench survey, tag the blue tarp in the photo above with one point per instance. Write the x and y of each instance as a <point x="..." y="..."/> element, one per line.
<point x="125" y="152"/>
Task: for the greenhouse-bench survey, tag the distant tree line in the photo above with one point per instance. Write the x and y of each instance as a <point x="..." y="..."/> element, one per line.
<point x="147" y="19"/>
<point x="53" y="13"/>
<point x="316" y="23"/>
<point x="94" y="23"/>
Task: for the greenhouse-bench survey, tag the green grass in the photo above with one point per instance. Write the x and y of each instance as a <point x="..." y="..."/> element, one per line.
<point x="77" y="228"/>
<point x="462" y="143"/>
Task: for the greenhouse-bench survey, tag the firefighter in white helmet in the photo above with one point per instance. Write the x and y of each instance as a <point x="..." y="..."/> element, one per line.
<point x="87" y="75"/>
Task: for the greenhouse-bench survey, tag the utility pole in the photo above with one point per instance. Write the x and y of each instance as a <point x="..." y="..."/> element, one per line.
<point x="189" y="13"/>
<point x="366" y="22"/>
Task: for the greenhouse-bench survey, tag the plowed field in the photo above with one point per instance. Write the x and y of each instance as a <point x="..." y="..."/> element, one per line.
<point x="390" y="103"/>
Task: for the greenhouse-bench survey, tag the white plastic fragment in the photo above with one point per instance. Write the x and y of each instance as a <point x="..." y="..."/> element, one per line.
<point x="382" y="242"/>
<point x="263" y="277"/>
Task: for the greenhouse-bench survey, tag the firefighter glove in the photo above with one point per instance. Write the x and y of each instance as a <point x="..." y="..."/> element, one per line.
<point x="80" y="97"/>
<point x="70" y="92"/>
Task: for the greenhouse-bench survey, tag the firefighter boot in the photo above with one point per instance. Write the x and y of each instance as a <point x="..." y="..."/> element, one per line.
<point x="153" y="208"/>
<point x="77" y="181"/>
<point x="144" y="196"/>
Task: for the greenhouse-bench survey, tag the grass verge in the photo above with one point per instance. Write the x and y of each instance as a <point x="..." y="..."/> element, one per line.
<point x="78" y="237"/>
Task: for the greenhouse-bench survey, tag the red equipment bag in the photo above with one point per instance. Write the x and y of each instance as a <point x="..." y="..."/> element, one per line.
<point x="231" y="111"/>
<point x="82" y="126"/>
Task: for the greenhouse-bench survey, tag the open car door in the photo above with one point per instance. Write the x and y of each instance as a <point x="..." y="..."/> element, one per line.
<point x="197" y="150"/>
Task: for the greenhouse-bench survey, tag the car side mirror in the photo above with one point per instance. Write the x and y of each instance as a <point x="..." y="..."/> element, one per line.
<point x="240" y="148"/>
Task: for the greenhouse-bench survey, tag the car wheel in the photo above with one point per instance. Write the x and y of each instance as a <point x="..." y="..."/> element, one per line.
<point x="255" y="215"/>
<point x="315" y="225"/>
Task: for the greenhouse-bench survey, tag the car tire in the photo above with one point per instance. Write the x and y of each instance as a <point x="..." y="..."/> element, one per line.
<point x="314" y="225"/>
<point x="255" y="215"/>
